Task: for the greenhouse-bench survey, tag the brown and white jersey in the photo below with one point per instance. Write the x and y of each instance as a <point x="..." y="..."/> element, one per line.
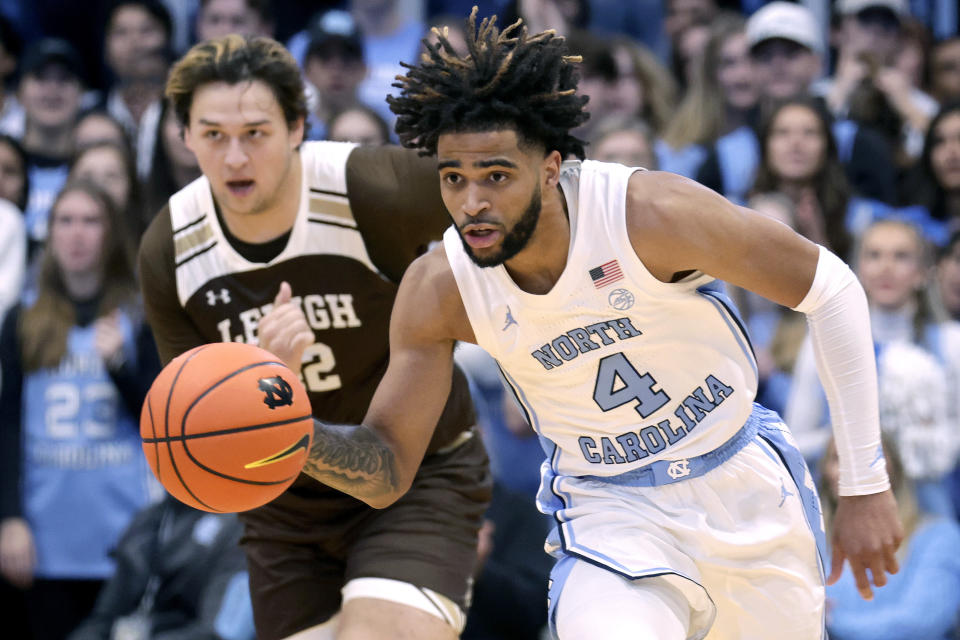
<point x="365" y="214"/>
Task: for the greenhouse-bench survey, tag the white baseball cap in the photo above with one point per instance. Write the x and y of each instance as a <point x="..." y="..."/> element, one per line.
<point x="850" y="7"/>
<point x="785" y="21"/>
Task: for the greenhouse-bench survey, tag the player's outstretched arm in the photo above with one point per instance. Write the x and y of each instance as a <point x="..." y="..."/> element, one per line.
<point x="677" y="226"/>
<point x="377" y="460"/>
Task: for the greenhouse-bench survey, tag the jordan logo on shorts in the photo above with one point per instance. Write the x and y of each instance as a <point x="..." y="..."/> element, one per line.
<point x="784" y="494"/>
<point x="679" y="469"/>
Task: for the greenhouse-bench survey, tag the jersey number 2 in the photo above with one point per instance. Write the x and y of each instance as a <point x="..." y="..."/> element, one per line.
<point x="619" y="383"/>
<point x="318" y="360"/>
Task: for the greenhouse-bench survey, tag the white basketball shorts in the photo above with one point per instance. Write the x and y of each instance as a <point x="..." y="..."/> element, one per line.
<point x="740" y="542"/>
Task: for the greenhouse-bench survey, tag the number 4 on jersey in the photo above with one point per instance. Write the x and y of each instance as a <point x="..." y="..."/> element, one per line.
<point x="619" y="383"/>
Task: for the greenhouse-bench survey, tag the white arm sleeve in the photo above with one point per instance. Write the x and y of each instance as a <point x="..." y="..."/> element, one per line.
<point x="839" y="321"/>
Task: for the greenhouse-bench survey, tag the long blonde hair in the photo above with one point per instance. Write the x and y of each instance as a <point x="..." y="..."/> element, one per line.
<point x="701" y="115"/>
<point x="44" y="325"/>
<point x="659" y="87"/>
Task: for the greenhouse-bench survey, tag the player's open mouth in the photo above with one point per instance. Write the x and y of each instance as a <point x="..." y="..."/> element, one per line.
<point x="481" y="236"/>
<point x="240" y="187"/>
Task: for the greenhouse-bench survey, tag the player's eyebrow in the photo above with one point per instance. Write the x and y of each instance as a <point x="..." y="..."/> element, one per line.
<point x="213" y="123"/>
<point x="494" y="162"/>
<point x="479" y="164"/>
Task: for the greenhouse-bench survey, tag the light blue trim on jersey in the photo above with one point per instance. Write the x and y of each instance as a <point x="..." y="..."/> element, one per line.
<point x="771" y="436"/>
<point x="772" y="430"/>
<point x="550" y="449"/>
<point x="558" y="578"/>
<point x="713" y="292"/>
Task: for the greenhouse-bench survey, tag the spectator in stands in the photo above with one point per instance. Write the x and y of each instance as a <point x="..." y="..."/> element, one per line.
<point x="51" y="85"/>
<point x="77" y="362"/>
<point x="137" y="52"/>
<point x="14" y="172"/>
<point x="540" y="15"/>
<point x="334" y="67"/>
<point x="174" y="165"/>
<point x="180" y="574"/>
<point x="913" y="54"/>
<point x="359" y="124"/>
<point x="96" y="126"/>
<point x="688" y="53"/>
<point x="13" y="234"/>
<point x="110" y="167"/>
<point x="222" y="17"/>
<point x="629" y="142"/>
<point x="798" y="157"/>
<point x="945" y="70"/>
<point x="11" y="112"/>
<point x="686" y="25"/>
<point x="623" y="80"/>
<point x="945" y="289"/>
<point x="643" y="74"/>
<point x="718" y="113"/>
<point x="922" y="600"/>
<point x="683" y="14"/>
<point x="390" y="37"/>
<point x="934" y="183"/>
<point x="866" y="86"/>
<point x="787" y="50"/>
<point x="918" y="362"/>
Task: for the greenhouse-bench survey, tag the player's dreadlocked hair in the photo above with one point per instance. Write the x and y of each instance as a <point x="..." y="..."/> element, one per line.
<point x="508" y="79"/>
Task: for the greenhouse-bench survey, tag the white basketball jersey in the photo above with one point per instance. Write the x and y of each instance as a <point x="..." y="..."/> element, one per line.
<point x="614" y="368"/>
<point x="203" y="254"/>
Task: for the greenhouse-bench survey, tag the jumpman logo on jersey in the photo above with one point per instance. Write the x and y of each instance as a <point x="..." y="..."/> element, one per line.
<point x="879" y="455"/>
<point x="509" y="320"/>
<point x="784" y="494"/>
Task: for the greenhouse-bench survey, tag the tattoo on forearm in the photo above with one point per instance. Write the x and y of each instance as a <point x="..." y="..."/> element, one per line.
<point x="352" y="459"/>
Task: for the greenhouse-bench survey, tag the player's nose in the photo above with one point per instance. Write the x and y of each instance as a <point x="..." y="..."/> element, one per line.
<point x="475" y="202"/>
<point x="236" y="157"/>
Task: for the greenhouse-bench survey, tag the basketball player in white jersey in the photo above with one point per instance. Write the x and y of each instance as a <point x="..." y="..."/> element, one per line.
<point x="682" y="509"/>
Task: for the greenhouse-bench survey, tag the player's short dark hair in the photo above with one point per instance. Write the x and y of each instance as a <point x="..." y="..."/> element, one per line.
<point x="234" y="59"/>
<point x="508" y="79"/>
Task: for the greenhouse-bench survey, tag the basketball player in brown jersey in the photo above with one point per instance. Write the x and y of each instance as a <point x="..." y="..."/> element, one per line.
<point x="338" y="225"/>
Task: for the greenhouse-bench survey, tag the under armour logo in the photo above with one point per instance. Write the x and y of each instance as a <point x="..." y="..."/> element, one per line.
<point x="679" y="469"/>
<point x="278" y="392"/>
<point x="213" y="297"/>
<point x="509" y="320"/>
<point x="784" y="494"/>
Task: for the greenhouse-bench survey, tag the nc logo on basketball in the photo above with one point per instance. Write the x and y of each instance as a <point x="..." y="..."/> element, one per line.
<point x="278" y="392"/>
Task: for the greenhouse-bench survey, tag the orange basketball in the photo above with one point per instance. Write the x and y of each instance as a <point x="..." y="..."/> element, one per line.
<point x="226" y="427"/>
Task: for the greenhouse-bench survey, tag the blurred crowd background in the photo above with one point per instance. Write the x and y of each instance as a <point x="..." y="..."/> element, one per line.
<point x="840" y="119"/>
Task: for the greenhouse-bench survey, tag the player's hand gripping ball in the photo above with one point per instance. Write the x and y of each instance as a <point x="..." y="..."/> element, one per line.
<point x="226" y="427"/>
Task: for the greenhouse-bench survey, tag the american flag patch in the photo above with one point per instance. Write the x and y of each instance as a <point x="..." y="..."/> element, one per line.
<point x="605" y="274"/>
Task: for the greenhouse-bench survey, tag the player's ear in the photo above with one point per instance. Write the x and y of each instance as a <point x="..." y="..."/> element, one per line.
<point x="551" y="168"/>
<point x="296" y="132"/>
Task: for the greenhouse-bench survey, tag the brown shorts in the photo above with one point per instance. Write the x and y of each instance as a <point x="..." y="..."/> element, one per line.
<point x="301" y="549"/>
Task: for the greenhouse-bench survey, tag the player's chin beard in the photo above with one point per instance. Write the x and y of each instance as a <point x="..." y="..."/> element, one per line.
<point x="514" y="240"/>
